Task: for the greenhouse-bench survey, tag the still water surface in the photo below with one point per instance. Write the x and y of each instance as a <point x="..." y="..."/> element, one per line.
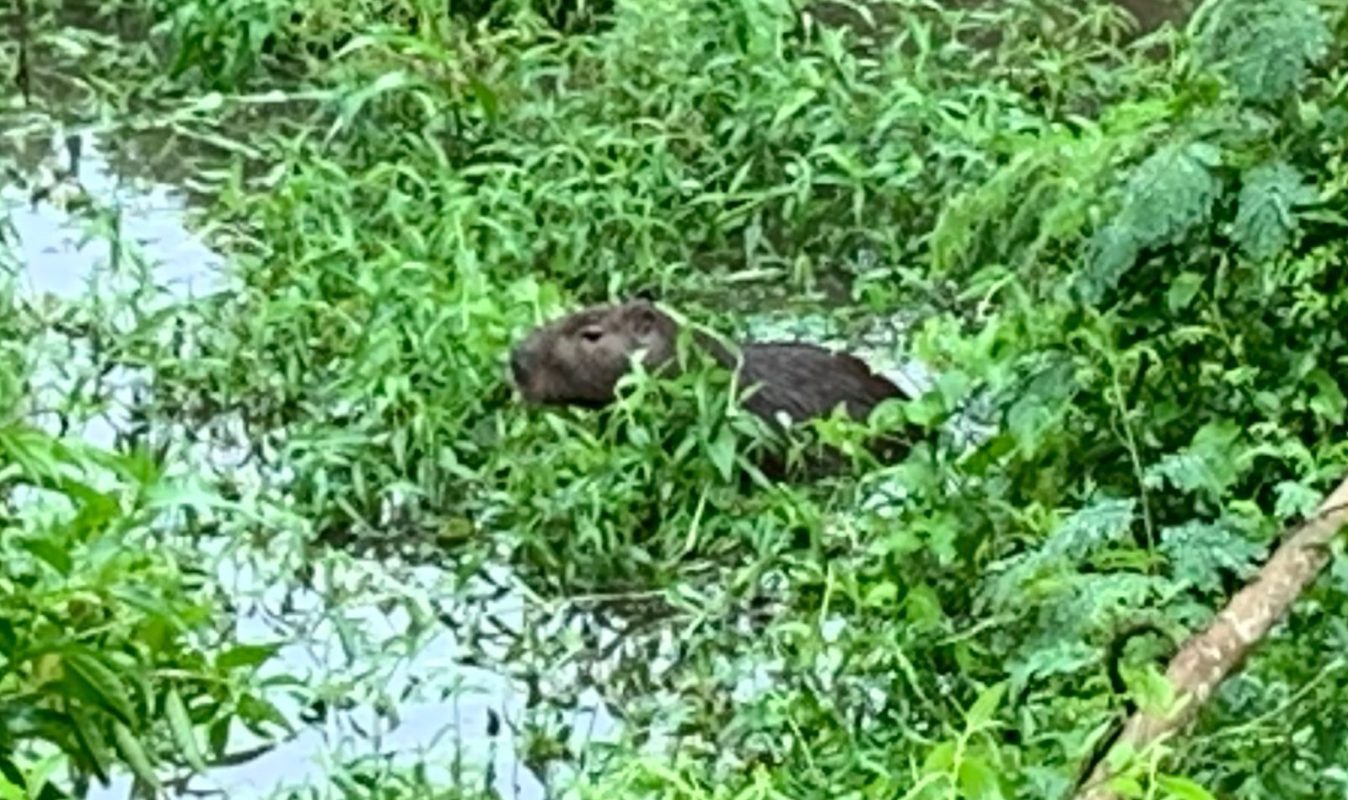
<point x="445" y="711"/>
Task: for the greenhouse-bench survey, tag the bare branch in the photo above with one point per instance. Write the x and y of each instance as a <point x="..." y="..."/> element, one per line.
<point x="1208" y="657"/>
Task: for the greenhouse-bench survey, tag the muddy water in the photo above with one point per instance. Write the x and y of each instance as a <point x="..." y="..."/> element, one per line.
<point x="447" y="713"/>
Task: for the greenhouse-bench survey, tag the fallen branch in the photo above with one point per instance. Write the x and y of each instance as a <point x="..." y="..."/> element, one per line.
<point x="1208" y="657"/>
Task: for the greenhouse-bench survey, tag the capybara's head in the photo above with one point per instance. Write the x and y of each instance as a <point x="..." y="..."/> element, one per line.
<point x="578" y="359"/>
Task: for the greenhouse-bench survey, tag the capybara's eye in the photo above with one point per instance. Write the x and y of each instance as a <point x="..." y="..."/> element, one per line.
<point x="592" y="334"/>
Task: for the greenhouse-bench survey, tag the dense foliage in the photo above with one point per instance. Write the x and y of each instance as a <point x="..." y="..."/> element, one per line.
<point x="1120" y="260"/>
<point x="111" y="647"/>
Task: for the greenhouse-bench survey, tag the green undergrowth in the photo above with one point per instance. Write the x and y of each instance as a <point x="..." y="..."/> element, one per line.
<point x="1126" y="265"/>
<point x="114" y="653"/>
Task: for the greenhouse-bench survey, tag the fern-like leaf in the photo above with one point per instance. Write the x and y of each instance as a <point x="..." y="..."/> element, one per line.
<point x="1265" y="48"/>
<point x="1266" y="219"/>
<point x="1054" y="658"/>
<point x="1208" y="464"/>
<point x="1113" y="251"/>
<point x="1170" y="193"/>
<point x="1199" y="552"/>
<point x="1077" y="536"/>
<point x="1090" y="528"/>
<point x="1295" y="500"/>
<point x="1164" y="198"/>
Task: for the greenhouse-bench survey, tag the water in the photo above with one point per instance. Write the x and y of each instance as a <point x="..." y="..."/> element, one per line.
<point x="445" y="708"/>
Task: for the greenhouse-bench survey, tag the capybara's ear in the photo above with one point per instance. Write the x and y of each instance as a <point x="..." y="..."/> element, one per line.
<point x="643" y="317"/>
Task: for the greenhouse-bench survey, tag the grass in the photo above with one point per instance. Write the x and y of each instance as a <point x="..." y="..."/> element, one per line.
<point x="1122" y="259"/>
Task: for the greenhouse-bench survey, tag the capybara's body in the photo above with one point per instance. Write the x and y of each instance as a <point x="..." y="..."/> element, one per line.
<point x="578" y="360"/>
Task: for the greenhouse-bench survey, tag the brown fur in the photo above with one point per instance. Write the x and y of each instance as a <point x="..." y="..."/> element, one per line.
<point x="578" y="360"/>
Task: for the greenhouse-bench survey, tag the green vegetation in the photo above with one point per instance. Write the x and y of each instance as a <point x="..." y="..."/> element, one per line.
<point x="106" y="626"/>
<point x="1122" y="261"/>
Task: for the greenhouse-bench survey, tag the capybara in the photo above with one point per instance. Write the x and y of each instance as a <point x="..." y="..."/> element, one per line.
<point x="577" y="360"/>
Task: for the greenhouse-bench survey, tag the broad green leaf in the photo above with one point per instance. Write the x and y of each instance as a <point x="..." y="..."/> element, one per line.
<point x="51" y="553"/>
<point x="983" y="709"/>
<point x="246" y="655"/>
<point x="978" y="779"/>
<point x="1182" y="290"/>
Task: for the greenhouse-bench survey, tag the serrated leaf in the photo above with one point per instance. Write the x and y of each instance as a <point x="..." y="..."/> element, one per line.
<point x="1328" y="401"/>
<point x="1265" y="48"/>
<point x="1265" y="218"/>
<point x="1113" y="251"/>
<point x="1164" y="198"/>
<point x="1295" y="500"/>
<point x="1200" y="552"/>
<point x="1056" y="658"/>
<point x="1170" y="193"/>
<point x="1208" y="464"/>
<point x="1091" y="527"/>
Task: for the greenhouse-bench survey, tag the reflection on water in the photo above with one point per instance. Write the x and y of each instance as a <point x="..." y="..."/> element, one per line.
<point x="58" y="257"/>
<point x="446" y="712"/>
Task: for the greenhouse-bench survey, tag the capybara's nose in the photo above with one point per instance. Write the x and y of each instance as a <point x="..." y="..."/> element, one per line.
<point x="519" y="366"/>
